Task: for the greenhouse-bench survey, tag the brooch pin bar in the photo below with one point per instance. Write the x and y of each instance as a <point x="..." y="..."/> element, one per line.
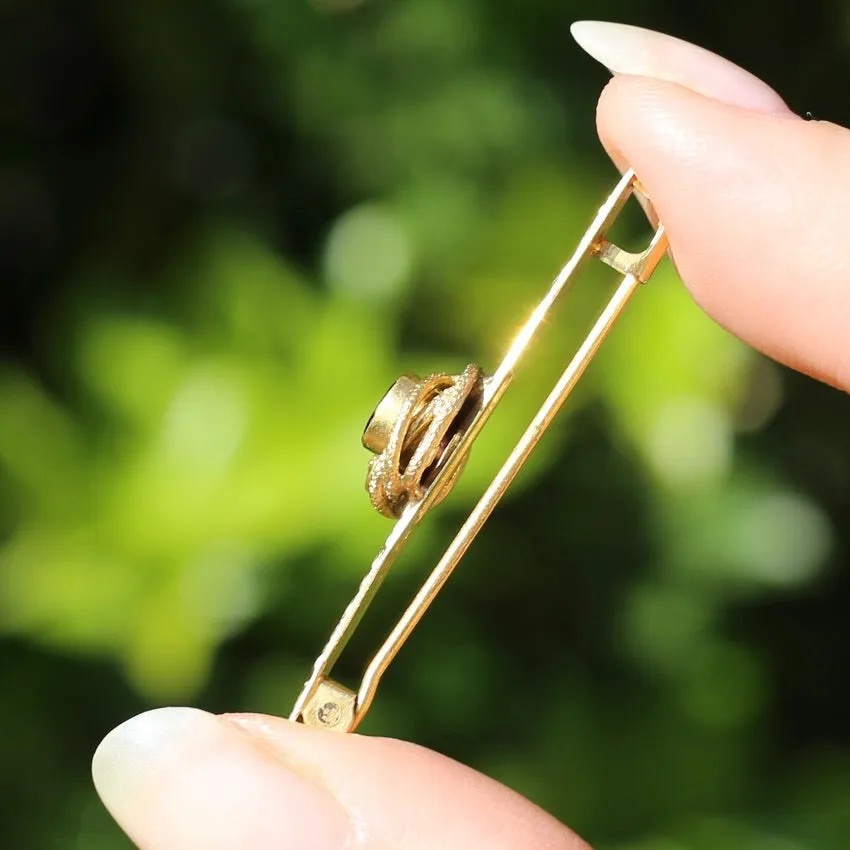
<point x="421" y="434"/>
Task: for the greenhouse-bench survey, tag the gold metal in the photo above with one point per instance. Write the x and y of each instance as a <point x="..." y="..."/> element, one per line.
<point x="422" y="432"/>
<point x="331" y="707"/>
<point x="413" y="431"/>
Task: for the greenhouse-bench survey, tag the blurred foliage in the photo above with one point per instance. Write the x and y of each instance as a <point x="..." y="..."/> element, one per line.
<point x="225" y="227"/>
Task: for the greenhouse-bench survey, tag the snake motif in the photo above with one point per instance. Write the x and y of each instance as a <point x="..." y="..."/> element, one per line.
<point x="413" y="431"/>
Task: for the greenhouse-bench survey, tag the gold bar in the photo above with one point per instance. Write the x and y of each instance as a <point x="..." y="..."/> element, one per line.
<point x="324" y="703"/>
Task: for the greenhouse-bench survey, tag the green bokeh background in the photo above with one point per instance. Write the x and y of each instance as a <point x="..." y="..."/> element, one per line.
<point x="225" y="227"/>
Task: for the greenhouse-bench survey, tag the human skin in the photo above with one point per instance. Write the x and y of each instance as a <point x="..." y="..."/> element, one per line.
<point x="754" y="200"/>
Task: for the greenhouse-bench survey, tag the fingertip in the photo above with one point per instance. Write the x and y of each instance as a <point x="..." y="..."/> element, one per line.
<point x="180" y="778"/>
<point x="132" y="752"/>
<point x="751" y="202"/>
<point x="636" y="51"/>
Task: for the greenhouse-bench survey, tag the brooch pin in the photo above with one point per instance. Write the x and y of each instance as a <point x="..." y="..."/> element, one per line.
<point x="421" y="433"/>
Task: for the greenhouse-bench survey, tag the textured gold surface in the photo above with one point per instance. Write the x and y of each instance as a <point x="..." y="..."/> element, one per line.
<point x="417" y="424"/>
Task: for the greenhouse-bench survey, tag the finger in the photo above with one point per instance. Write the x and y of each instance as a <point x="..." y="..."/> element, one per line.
<point x="641" y="52"/>
<point x="180" y="779"/>
<point x="753" y="198"/>
<point x="753" y="205"/>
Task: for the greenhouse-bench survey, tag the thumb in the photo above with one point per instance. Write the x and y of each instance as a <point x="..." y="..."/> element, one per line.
<point x="752" y="196"/>
<point x="182" y="779"/>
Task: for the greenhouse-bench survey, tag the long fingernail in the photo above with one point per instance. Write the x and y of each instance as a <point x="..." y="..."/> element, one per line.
<point x="180" y="779"/>
<point x="624" y="49"/>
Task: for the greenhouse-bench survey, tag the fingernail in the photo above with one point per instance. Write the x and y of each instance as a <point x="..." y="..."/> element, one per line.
<point x="624" y="49"/>
<point x="180" y="778"/>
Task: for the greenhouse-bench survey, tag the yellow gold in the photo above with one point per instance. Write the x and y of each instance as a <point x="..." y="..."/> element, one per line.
<point x="376" y="435"/>
<point x="414" y="429"/>
<point x="331" y="707"/>
<point x="421" y="433"/>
